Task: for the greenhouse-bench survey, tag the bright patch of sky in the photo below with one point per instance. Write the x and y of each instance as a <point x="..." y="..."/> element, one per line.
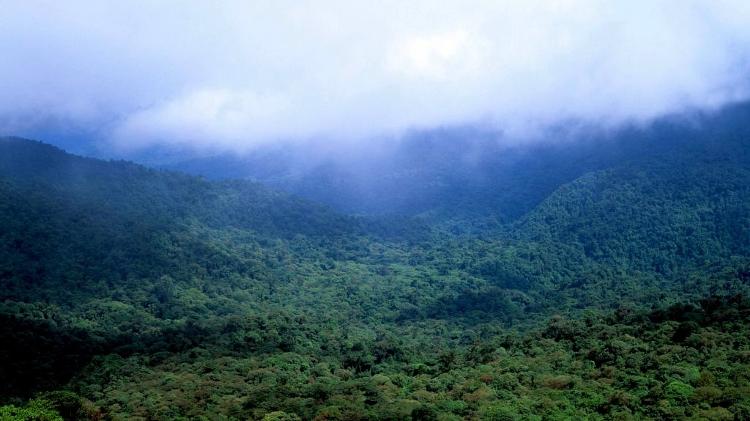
<point x="232" y="75"/>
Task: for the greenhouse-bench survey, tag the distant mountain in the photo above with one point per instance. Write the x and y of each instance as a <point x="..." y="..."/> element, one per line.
<point x="463" y="174"/>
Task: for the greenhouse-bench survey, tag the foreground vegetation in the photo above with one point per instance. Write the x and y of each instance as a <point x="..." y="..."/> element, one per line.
<point x="685" y="361"/>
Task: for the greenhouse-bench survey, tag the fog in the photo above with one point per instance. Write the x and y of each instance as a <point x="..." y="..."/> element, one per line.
<point x="231" y="76"/>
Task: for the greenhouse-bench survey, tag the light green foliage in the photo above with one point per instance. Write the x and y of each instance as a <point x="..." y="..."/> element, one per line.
<point x="280" y="416"/>
<point x="35" y="410"/>
<point x="678" y="391"/>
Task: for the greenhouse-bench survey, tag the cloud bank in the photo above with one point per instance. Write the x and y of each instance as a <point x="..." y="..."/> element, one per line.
<point x="233" y="75"/>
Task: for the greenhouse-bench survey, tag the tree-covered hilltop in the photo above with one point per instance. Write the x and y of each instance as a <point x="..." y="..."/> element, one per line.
<point x="132" y="293"/>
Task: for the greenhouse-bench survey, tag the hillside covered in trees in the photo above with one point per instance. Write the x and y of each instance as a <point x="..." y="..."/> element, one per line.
<point x="606" y="282"/>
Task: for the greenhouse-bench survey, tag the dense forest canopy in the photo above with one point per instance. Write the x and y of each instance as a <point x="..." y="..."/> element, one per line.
<point x="604" y="278"/>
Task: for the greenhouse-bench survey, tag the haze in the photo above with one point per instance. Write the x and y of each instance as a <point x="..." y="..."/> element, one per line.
<point x="231" y="76"/>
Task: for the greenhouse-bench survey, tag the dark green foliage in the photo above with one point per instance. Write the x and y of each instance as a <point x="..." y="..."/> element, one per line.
<point x="37" y="354"/>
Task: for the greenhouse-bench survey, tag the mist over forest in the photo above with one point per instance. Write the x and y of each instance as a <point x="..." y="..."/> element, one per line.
<point x="515" y="210"/>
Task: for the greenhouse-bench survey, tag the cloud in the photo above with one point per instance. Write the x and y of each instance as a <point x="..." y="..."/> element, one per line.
<point x="236" y="74"/>
<point x="225" y="116"/>
<point x="437" y="56"/>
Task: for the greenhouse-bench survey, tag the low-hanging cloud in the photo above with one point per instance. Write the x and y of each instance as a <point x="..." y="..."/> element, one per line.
<point x="233" y="75"/>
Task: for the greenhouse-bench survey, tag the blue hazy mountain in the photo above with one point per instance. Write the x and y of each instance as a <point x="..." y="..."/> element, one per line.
<point x="462" y="173"/>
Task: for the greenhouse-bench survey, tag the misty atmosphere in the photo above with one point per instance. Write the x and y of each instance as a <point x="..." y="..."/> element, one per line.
<point x="349" y="210"/>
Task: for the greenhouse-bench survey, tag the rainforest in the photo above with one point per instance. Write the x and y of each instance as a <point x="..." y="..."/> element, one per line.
<point x="135" y="293"/>
<point x="345" y="211"/>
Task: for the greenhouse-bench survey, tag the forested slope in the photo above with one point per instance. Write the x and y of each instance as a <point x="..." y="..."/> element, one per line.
<point x="154" y="295"/>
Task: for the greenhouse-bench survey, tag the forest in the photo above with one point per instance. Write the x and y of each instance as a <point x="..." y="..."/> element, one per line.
<point x="611" y="284"/>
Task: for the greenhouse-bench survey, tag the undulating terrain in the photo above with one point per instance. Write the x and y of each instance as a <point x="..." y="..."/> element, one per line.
<point x="595" y="275"/>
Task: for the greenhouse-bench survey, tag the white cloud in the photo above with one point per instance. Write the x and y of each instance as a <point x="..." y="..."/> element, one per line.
<point x="234" y="74"/>
<point x="225" y="116"/>
<point x="438" y="56"/>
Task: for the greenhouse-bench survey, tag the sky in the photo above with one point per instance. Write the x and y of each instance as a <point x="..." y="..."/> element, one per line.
<point x="233" y="75"/>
